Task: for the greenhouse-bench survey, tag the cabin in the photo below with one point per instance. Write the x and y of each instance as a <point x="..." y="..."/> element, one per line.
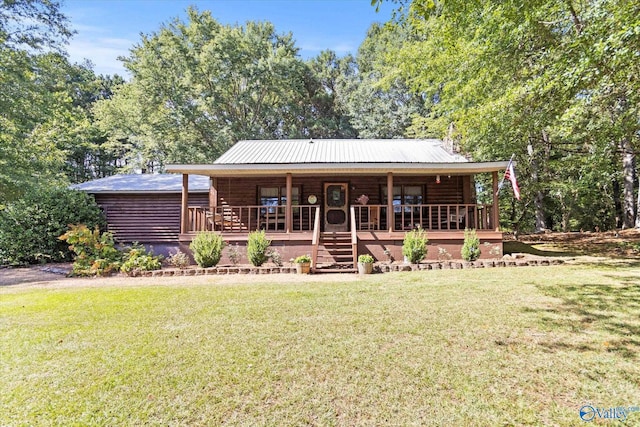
<point x="337" y="199"/>
<point x="145" y="208"/>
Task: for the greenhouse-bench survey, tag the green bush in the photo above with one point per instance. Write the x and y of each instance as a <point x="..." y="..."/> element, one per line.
<point x="414" y="246"/>
<point x="302" y="259"/>
<point x="257" y="247"/>
<point x="365" y="258"/>
<point x="95" y="252"/>
<point x="137" y="259"/>
<point x="471" y="246"/>
<point x="30" y="227"/>
<point x="207" y="248"/>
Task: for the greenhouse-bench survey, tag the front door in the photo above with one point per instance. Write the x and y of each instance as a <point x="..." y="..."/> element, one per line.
<point x="336" y="207"/>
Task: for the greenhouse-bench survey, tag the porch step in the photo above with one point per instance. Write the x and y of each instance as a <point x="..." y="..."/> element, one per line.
<point x="335" y="252"/>
<point x="335" y="268"/>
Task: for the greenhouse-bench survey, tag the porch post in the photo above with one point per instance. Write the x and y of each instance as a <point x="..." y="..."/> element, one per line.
<point x="288" y="219"/>
<point x="496" y="212"/>
<point x="213" y="193"/>
<point x="184" y="222"/>
<point x="390" y="219"/>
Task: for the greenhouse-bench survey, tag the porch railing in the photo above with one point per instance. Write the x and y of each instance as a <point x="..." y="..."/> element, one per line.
<point x="429" y="217"/>
<point x="244" y="219"/>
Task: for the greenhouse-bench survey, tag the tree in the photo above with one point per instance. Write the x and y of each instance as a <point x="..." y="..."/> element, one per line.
<point x="31" y="35"/>
<point x="379" y="104"/>
<point x="200" y="86"/>
<point x="526" y="78"/>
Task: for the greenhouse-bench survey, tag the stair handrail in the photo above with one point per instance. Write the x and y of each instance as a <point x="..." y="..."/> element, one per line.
<point x="354" y="237"/>
<point x="315" y="241"/>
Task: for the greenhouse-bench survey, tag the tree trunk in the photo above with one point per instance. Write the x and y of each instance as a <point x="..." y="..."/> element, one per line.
<point x="628" y="170"/>
<point x="538" y="201"/>
<point x="638" y="209"/>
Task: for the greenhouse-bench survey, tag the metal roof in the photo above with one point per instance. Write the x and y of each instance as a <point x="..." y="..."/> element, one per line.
<point x="305" y="151"/>
<point x="143" y="183"/>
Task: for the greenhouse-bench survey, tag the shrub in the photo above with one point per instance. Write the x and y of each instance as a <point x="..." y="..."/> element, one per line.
<point x="365" y="258"/>
<point x="137" y="259"/>
<point x="414" y="246"/>
<point x="207" y="248"/>
<point x="178" y="260"/>
<point x="235" y="255"/>
<point x="257" y="246"/>
<point x="95" y="252"/>
<point x="302" y="259"/>
<point x="471" y="245"/>
<point x="276" y="258"/>
<point x="30" y="227"/>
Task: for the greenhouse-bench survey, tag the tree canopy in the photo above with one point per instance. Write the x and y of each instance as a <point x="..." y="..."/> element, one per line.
<point x="553" y="82"/>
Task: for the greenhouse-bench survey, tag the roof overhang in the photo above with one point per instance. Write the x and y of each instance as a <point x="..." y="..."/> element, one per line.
<point x="238" y="170"/>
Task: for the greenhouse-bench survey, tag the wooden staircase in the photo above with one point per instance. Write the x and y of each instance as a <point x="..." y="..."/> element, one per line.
<point x="335" y="253"/>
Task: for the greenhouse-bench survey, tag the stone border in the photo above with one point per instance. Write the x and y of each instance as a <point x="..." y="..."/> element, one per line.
<point x="378" y="267"/>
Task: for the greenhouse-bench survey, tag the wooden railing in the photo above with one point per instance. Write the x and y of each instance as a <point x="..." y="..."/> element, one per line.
<point x="315" y="241"/>
<point x="354" y="237"/>
<point x="429" y="217"/>
<point x="248" y="218"/>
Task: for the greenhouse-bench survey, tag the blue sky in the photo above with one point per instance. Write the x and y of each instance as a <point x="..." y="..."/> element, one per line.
<point x="107" y="29"/>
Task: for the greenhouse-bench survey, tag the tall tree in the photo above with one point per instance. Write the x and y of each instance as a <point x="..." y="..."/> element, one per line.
<point x="522" y="77"/>
<point x="32" y="34"/>
<point x="200" y="86"/>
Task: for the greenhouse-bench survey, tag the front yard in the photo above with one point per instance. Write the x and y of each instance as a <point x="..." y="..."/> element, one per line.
<point x="513" y="346"/>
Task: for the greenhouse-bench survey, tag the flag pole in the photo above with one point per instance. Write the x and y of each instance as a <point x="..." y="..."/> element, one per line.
<point x="504" y="174"/>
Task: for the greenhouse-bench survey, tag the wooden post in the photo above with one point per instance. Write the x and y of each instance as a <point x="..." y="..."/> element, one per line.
<point x="288" y="219"/>
<point x="496" y="212"/>
<point x="390" y="219"/>
<point x="184" y="223"/>
<point x="213" y="194"/>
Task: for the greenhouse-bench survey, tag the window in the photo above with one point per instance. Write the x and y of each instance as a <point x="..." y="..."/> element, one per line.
<point x="277" y="196"/>
<point x="404" y="195"/>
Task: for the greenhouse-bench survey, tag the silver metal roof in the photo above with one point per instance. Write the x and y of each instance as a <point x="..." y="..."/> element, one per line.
<point x="144" y="183"/>
<point x="334" y="151"/>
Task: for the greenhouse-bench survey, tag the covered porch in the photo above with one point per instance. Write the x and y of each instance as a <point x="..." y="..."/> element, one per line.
<point x="309" y="213"/>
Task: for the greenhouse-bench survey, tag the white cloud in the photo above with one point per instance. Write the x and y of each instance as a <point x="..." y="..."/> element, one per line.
<point x="102" y="52"/>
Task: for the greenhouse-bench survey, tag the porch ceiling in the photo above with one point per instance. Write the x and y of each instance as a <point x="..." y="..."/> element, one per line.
<point x="233" y="170"/>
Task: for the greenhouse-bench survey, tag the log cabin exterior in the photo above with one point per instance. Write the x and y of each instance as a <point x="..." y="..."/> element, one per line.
<point x="145" y="208"/>
<point x="336" y="199"/>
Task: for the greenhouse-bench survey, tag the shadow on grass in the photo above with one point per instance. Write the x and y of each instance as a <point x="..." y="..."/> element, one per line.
<point x="614" y="309"/>
<point x="520" y="247"/>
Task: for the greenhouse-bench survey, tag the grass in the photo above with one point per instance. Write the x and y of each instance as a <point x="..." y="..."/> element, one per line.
<point x="512" y="346"/>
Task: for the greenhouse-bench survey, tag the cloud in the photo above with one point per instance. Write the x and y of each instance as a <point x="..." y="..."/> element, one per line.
<point x="102" y="52"/>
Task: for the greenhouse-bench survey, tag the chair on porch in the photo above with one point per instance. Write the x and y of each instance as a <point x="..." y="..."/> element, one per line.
<point x="226" y="220"/>
<point x="373" y="222"/>
<point x="458" y="219"/>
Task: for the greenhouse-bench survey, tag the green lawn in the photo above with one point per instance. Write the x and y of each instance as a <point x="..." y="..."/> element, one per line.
<point x="502" y="346"/>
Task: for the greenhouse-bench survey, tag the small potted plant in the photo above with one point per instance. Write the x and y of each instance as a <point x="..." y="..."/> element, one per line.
<point x="303" y="264"/>
<point x="365" y="264"/>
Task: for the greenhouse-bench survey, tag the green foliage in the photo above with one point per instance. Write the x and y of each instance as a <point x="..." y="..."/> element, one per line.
<point x="30" y="226"/>
<point x="302" y="259"/>
<point x="471" y="246"/>
<point x="257" y="247"/>
<point x="207" y="248"/>
<point x="136" y="259"/>
<point x="414" y="246"/>
<point x="365" y="258"/>
<point x="96" y="254"/>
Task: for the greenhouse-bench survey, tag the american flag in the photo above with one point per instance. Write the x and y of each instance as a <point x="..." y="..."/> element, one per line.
<point x="510" y="174"/>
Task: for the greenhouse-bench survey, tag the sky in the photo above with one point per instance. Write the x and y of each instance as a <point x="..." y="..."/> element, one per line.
<point x="107" y="29"/>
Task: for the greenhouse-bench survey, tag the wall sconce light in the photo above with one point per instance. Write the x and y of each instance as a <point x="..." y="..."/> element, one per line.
<point x="437" y="179"/>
